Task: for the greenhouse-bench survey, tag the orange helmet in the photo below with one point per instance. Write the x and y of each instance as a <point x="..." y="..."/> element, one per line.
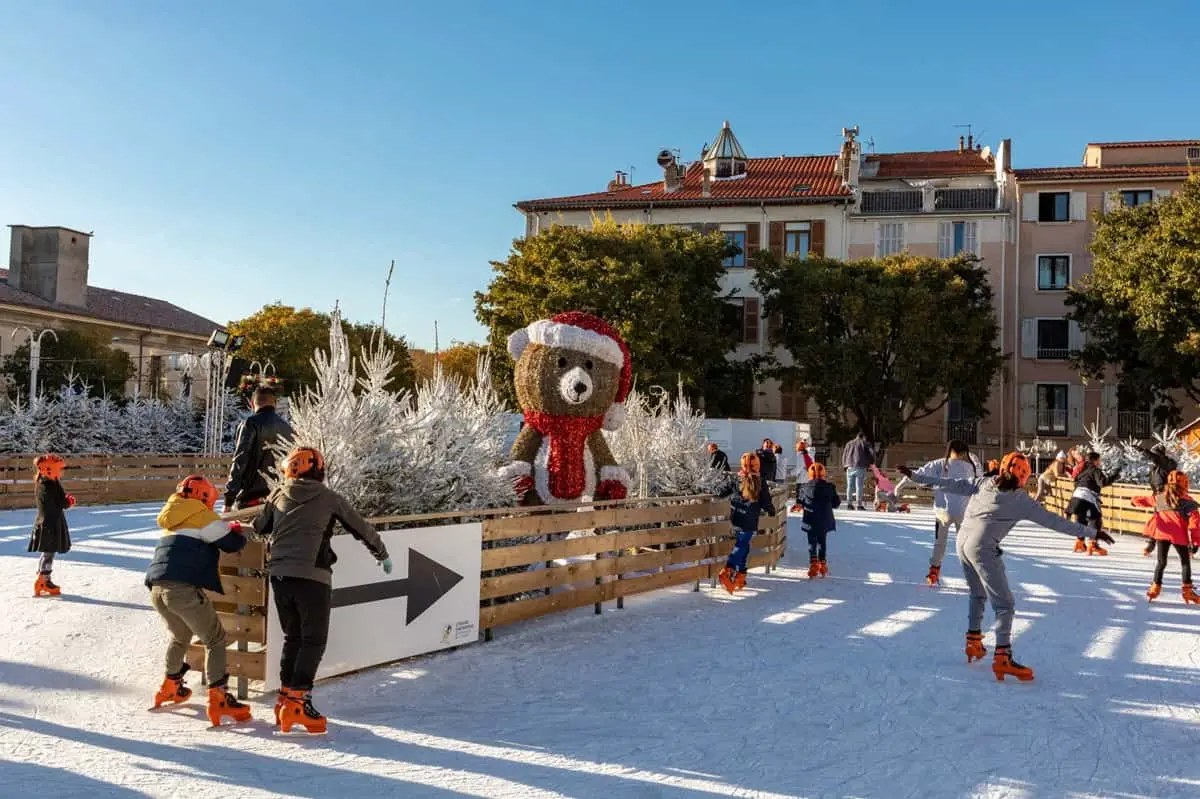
<point x="49" y="466"/>
<point x="1018" y="466"/>
<point x="816" y="471"/>
<point x="197" y="486"/>
<point x="305" y="462"/>
<point x="1179" y="480"/>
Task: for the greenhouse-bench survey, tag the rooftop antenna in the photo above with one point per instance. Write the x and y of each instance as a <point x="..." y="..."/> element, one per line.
<point x="871" y="145"/>
<point x="632" y="169"/>
<point x="387" y="284"/>
<point x="435" y="340"/>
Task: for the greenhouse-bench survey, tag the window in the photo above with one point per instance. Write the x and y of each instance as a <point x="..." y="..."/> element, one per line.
<point x="1136" y="197"/>
<point x="1051" y="409"/>
<point x="1054" y="206"/>
<point x="1054" y="272"/>
<point x="889" y="238"/>
<point x="1053" y="339"/>
<point x="1193" y="153"/>
<point x="957" y="237"/>
<point x="742" y="320"/>
<point x="736" y="238"/>
<point x="795" y="242"/>
<point x="792" y="402"/>
<point x="960" y="422"/>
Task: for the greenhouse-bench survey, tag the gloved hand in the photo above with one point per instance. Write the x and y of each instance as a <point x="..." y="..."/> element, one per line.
<point x="70" y="500"/>
<point x="1195" y="548"/>
<point x="386" y="563"/>
<point x="237" y="527"/>
<point x="1105" y="537"/>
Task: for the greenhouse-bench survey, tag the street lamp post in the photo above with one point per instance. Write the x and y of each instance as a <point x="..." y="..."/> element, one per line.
<point x="216" y="363"/>
<point x="35" y="356"/>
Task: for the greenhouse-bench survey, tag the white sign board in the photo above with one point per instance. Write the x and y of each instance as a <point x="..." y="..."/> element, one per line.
<point x="430" y="601"/>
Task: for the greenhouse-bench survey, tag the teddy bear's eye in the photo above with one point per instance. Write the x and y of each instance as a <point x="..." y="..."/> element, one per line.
<point x="562" y="363"/>
<point x="587" y="365"/>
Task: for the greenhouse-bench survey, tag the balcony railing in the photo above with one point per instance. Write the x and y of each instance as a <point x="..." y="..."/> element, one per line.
<point x="1134" y="424"/>
<point x="964" y="199"/>
<point x="1051" y="421"/>
<point x="891" y="202"/>
<point x="964" y="431"/>
<point x="1053" y="353"/>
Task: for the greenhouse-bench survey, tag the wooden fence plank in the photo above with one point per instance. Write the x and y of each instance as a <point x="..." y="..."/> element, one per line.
<point x="252" y="556"/>
<point x="241" y="591"/>
<point x="251" y="665"/>
<point x="521" y="526"/>
<point x="244" y="628"/>
<point x="524" y="554"/>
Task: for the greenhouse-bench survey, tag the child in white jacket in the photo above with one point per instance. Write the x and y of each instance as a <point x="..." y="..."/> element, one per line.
<point x="958" y="464"/>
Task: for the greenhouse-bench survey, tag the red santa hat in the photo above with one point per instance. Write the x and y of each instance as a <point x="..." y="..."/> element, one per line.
<point x="582" y="332"/>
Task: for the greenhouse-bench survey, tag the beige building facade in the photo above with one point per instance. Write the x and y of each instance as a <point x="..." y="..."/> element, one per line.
<point x="46" y="286"/>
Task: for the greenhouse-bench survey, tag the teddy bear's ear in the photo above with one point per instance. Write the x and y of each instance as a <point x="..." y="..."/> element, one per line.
<point x="517" y="342"/>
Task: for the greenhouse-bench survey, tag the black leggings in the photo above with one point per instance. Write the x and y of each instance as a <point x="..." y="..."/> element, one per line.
<point x="816" y="543"/>
<point x="1185" y="561"/>
<point x="1087" y="514"/>
<point x="303" y="607"/>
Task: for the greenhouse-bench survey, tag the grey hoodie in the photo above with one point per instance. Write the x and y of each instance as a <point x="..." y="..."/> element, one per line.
<point x="991" y="513"/>
<point x="299" y="517"/>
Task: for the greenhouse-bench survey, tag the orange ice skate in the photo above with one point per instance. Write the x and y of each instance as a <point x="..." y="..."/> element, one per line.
<point x="298" y="709"/>
<point x="726" y="578"/>
<point x="975" y="648"/>
<point x="221" y="703"/>
<point x="45" y="586"/>
<point x="1003" y="665"/>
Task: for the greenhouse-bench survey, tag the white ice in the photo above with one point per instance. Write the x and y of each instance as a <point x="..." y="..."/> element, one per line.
<point x="853" y="686"/>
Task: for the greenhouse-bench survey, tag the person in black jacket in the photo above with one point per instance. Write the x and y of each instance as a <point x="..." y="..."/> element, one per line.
<point x="818" y="498"/>
<point x="50" y="535"/>
<point x="254" y="455"/>
<point x="1085" y="501"/>
<point x="717" y="459"/>
<point x="185" y="565"/>
<point x="768" y="464"/>
<point x="753" y="497"/>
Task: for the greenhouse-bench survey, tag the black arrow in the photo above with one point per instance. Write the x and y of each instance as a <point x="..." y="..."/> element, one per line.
<point x="426" y="583"/>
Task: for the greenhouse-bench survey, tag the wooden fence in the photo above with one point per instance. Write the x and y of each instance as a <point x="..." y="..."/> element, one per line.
<point x="107" y="479"/>
<point x="1118" y="515"/>
<point x="619" y="549"/>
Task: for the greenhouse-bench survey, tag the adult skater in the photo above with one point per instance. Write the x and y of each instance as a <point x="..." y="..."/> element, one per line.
<point x="1057" y="470"/>
<point x="717" y="459"/>
<point x="255" y="453"/>
<point x="1175" y="523"/>
<point x="948" y="508"/>
<point x="1085" y="501"/>
<point x="996" y="504"/>
<point x="768" y="465"/>
<point x="857" y="457"/>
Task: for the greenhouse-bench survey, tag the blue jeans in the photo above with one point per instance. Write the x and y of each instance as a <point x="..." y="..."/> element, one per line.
<point x="855" y="475"/>
<point x="741" y="550"/>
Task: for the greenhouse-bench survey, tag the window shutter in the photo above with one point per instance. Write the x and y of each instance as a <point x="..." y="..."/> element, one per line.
<point x="1074" y="336"/>
<point x="774" y="323"/>
<point x="776" y="231"/>
<point x="1028" y="338"/>
<point x="1029" y="206"/>
<point x="750" y="320"/>
<point x="1078" y="206"/>
<point x="816" y="238"/>
<point x="1160" y="194"/>
<point x="1112" y="201"/>
<point x="879" y="228"/>
<point x="1075" y="410"/>
<point x="753" y="241"/>
<point x="1028" y="408"/>
<point x="971" y="238"/>
<point x="945" y="239"/>
<point x="1109" y="411"/>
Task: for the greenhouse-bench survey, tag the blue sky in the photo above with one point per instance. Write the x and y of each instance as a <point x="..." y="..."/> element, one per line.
<point x="229" y="154"/>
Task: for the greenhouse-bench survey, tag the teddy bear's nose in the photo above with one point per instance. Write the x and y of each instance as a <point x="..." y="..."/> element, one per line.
<point x="580" y="388"/>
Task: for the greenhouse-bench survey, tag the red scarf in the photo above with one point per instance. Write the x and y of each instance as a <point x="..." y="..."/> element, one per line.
<point x="566" y="470"/>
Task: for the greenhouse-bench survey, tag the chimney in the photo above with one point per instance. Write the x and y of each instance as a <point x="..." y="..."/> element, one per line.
<point x="1006" y="158"/>
<point x="50" y="262"/>
<point x="618" y="182"/>
<point x="705" y="182"/>
<point x="961" y="144"/>
<point x="970" y="141"/>
<point x="672" y="171"/>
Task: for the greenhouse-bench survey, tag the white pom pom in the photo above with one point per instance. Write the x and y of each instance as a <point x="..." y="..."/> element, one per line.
<point x="517" y="342"/>
<point x="615" y="417"/>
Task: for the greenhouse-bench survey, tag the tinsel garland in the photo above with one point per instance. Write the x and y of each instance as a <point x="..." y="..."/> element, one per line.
<point x="566" y="467"/>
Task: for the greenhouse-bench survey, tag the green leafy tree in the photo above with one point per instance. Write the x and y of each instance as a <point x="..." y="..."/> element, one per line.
<point x="288" y="337"/>
<point x="1140" y="305"/>
<point x="459" y="360"/>
<point x="659" y="286"/>
<point x="75" y="354"/>
<point x="880" y="344"/>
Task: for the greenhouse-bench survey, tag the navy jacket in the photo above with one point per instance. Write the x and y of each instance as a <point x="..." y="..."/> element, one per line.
<point x="743" y="514"/>
<point x="768" y="466"/>
<point x="818" y="498"/>
<point x="189" y="550"/>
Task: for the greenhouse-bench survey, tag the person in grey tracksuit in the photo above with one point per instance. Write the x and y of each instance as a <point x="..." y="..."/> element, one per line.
<point x="990" y="515"/>
<point x="948" y="508"/>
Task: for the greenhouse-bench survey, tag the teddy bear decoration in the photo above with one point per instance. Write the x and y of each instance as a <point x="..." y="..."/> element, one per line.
<point x="572" y="376"/>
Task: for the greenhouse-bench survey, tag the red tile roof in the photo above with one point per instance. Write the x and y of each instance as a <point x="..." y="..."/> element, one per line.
<point x="933" y="163"/>
<point x="1103" y="172"/>
<point x="118" y="307"/>
<point x="774" y="181"/>
<point x="1162" y="143"/>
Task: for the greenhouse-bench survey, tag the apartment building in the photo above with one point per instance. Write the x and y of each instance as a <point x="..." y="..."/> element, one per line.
<point x="1057" y="208"/>
<point x="788" y="204"/>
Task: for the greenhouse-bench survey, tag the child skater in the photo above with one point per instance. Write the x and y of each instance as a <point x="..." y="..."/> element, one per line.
<point x="887" y="496"/>
<point x="1052" y="473"/>
<point x="1085" y="501"/>
<point x="948" y="508"/>
<point x="752" y="498"/>
<point x="299" y="517"/>
<point x="50" y="535"/>
<point x="995" y="505"/>
<point x="185" y="565"/>
<point x="1161" y="465"/>
<point x="818" y="498"/>
<point x="1175" y="523"/>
